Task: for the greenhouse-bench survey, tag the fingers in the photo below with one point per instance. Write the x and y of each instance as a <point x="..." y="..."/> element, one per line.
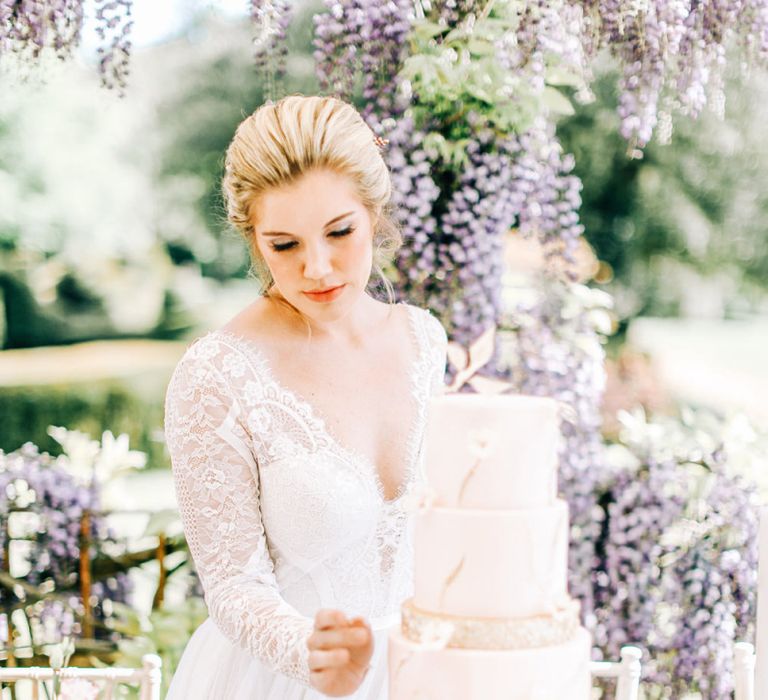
<point x="360" y="622"/>
<point x="333" y="638"/>
<point x="320" y="660"/>
<point x="325" y="619"/>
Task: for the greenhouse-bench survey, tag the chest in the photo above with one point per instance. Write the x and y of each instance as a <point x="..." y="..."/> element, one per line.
<point x="368" y="403"/>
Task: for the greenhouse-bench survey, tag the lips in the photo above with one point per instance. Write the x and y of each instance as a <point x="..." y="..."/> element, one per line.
<point x="327" y="294"/>
<point x="322" y="291"/>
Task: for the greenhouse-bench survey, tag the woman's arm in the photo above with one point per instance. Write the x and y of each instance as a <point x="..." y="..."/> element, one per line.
<point x="217" y="488"/>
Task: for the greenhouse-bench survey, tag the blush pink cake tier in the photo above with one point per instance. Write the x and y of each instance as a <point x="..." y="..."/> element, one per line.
<point x="490" y="617"/>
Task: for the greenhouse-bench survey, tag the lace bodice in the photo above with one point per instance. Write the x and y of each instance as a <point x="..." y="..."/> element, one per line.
<point x="281" y="519"/>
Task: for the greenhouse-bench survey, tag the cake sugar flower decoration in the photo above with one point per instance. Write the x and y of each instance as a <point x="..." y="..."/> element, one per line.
<point x="468" y="361"/>
<point x="482" y="443"/>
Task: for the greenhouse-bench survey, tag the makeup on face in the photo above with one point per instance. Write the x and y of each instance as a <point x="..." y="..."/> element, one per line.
<point x="325" y="295"/>
<point x="316" y="240"/>
<point x="289" y="242"/>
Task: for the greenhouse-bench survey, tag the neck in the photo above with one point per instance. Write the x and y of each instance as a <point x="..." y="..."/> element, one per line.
<point x="351" y="329"/>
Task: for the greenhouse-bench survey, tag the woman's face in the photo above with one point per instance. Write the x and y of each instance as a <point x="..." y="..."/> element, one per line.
<point x="316" y="238"/>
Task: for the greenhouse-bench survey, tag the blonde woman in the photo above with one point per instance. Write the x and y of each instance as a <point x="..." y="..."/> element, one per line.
<point x="295" y="430"/>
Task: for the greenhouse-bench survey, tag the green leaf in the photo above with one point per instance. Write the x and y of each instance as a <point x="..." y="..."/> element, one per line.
<point x="479" y="93"/>
<point x="419" y="68"/>
<point x="424" y="31"/>
<point x="556" y="102"/>
<point x="499" y="26"/>
<point x="481" y="47"/>
<point x="459" y="157"/>
<point x="456" y="35"/>
<point x="437" y="144"/>
<point x="563" y="75"/>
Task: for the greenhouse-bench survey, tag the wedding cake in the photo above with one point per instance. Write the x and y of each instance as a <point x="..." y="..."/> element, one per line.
<point x="490" y="618"/>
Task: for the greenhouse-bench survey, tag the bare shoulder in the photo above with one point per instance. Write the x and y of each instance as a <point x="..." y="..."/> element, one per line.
<point x="255" y="322"/>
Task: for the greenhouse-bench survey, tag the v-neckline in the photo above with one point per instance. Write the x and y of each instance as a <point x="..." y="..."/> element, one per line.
<point x="319" y="419"/>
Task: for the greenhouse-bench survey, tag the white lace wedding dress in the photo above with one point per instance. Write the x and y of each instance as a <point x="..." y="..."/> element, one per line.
<point x="282" y="520"/>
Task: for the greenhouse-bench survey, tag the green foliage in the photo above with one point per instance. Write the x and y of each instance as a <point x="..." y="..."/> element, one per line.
<point x="458" y="85"/>
<point x="91" y="407"/>
<point x="72" y="180"/>
<point x="79" y="256"/>
<point x="80" y="309"/>
<point x="215" y="87"/>
<point x="688" y="219"/>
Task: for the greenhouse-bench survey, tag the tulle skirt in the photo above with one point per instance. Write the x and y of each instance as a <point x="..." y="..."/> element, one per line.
<point x="212" y="668"/>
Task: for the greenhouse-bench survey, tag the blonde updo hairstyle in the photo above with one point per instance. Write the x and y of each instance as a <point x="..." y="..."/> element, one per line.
<point x="282" y="141"/>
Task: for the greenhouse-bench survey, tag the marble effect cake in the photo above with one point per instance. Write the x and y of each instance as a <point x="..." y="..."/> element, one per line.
<point x="490" y="617"/>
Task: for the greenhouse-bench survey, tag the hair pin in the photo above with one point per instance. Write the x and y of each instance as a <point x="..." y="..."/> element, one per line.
<point x="380" y="142"/>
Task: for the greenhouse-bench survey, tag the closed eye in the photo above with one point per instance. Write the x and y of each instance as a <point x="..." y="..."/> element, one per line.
<point x="340" y="233"/>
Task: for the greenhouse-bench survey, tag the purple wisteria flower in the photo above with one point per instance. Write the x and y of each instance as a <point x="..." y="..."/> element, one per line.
<point x="270" y="20"/>
<point x="38" y="492"/>
<point x="114" y="26"/>
<point x="454" y="225"/>
<point x="552" y="334"/>
<point x="363" y="39"/>
<point x="29" y="26"/>
<point x="676" y="565"/>
<point x="671" y="53"/>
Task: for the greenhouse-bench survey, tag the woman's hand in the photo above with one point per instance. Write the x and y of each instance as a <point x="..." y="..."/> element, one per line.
<point x="339" y="653"/>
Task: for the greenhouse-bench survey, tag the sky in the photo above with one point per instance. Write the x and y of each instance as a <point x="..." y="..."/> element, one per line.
<point x="154" y="21"/>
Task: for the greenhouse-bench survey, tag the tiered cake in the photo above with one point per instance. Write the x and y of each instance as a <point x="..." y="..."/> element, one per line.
<point x="490" y="618"/>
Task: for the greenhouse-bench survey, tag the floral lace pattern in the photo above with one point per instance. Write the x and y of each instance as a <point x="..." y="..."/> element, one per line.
<point x="281" y="519"/>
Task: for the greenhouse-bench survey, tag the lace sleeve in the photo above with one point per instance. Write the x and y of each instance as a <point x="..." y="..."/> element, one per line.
<point x="438" y="344"/>
<point x="217" y="489"/>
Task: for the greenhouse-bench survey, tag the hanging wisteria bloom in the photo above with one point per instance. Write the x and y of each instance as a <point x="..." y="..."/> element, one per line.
<point x="114" y="26"/>
<point x="270" y="20"/>
<point x="29" y="26"/>
<point x="365" y="38"/>
<point x="677" y="557"/>
<point x="40" y="497"/>
<point x="671" y="54"/>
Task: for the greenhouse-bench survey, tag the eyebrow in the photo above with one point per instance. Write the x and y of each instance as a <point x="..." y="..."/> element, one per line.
<point x="285" y="233"/>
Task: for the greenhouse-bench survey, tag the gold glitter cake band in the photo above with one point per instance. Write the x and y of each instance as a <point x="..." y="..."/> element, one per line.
<point x="438" y="630"/>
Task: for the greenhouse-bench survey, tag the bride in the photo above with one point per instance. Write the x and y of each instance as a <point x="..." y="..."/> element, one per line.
<point x="295" y="430"/>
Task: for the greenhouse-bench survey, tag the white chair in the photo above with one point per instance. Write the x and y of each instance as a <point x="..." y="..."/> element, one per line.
<point x="627" y="672"/>
<point x="744" y="671"/>
<point x="148" y="677"/>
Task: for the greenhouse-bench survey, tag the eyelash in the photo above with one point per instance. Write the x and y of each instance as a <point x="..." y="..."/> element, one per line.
<point x="282" y="247"/>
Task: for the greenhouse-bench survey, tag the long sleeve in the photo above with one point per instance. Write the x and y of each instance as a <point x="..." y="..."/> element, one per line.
<point x="217" y="487"/>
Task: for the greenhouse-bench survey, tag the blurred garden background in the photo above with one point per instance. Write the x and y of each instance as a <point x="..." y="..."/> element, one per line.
<point x="628" y="278"/>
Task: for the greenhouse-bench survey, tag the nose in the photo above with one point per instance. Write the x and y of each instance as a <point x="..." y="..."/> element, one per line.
<point x="317" y="262"/>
